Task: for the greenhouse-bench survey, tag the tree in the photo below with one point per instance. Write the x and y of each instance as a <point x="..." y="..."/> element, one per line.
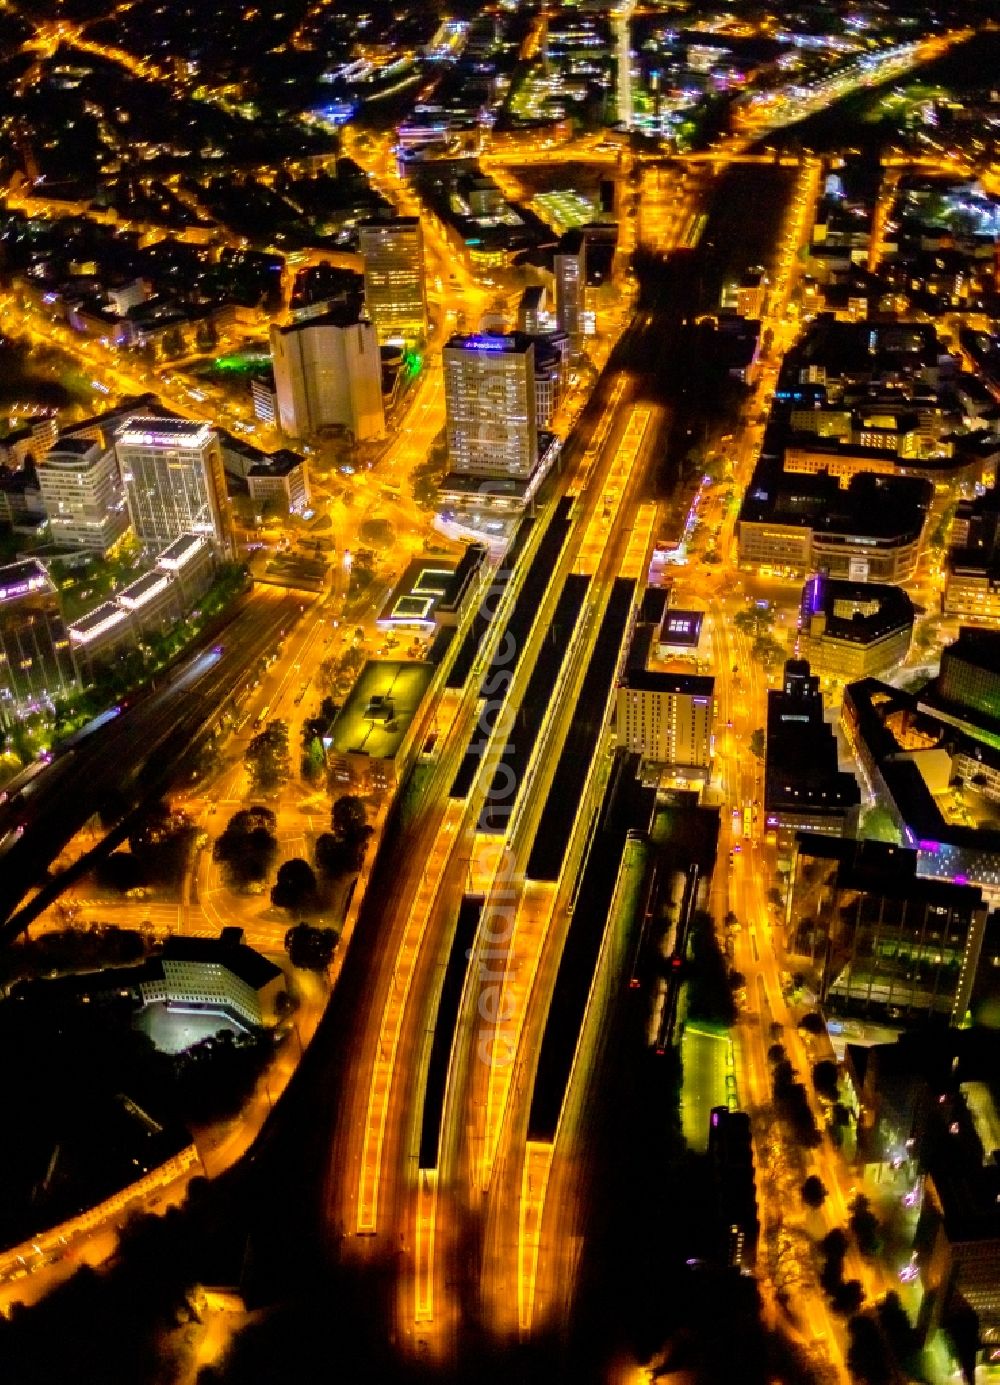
<point x="267" y="758"/>
<point x="877" y="825"/>
<point x="313" y="761"/>
<point x="337" y="858"/>
<point x="847" y="1298"/>
<point x="812" y="1023"/>
<point x="172" y="342"/>
<point x="207" y="336"/>
<point x="295" y="887"/>
<point x="793" y="1104"/>
<point x="161" y="844"/>
<point x="377" y="533"/>
<point x="833" y="1249"/>
<point x="867" y="1354"/>
<point x="814" y="1192"/>
<point x="758" y="742"/>
<point x="903" y="1340"/>
<point x="349" y="818"/>
<point x="310" y="947"/>
<point x="248" y="846"/>
<point x="825" y="1078"/>
<point x="755" y="620"/>
<point x="767" y="651"/>
<point x="865" y="1225"/>
<point x="708" y="993"/>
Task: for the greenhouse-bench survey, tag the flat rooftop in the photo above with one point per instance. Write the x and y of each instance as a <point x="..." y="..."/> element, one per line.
<point x="417" y="594"/>
<point x="101" y="619"/>
<point x="887" y="508"/>
<point x="21" y="578"/>
<point x="683" y="684"/>
<point x="858" y="612"/>
<point x="380" y="708"/>
<point x="181" y="551"/>
<point x="144" y="589"/>
<point x="681" y="629"/>
<point x="67" y="449"/>
<point x="164" y="432"/>
<point x="978" y="647"/>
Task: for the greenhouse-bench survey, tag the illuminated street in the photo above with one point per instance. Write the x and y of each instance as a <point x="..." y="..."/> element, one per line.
<point x="499" y="670"/>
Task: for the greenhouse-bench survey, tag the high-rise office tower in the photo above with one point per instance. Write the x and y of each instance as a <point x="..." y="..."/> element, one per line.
<point x="82" y="493"/>
<point x="489" y="384"/>
<point x="571" y="285"/>
<point x="395" y="291"/>
<point x="174" y="481"/>
<point x="328" y="373"/>
<point x="36" y="662"/>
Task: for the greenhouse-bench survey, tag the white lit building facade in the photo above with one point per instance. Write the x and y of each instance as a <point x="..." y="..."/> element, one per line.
<point x="174" y="482"/>
<point x="491" y="405"/>
<point x="82" y="494"/>
<point x="328" y="374"/>
<point x="395" y="290"/>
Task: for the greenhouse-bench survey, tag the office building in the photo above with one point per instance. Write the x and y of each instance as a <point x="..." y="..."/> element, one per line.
<point x="98" y="633"/>
<point x="490" y="405"/>
<point x="871" y="531"/>
<point x="751" y="294"/>
<point x="31" y="440"/>
<point x="278" y="480"/>
<point x="667" y="718"/>
<point x="803" y="786"/>
<point x="395" y="291"/>
<point x="937" y="775"/>
<point x="374" y="738"/>
<point x="570" y="268"/>
<point x="887" y="1088"/>
<point x="215" y="975"/>
<point x="879" y="939"/>
<point x="972" y="572"/>
<point x="328" y="374"/>
<point x="969" y="679"/>
<point x="533" y="315"/>
<point x="36" y="662"/>
<point x="852" y="630"/>
<point x="174" y="481"/>
<point x="264" y="398"/>
<point x="971" y="588"/>
<point x="680" y="633"/>
<point x="433" y="595"/>
<point x="155" y="600"/>
<point x="82" y="493"/>
<point x="551" y="371"/>
<point x="959" y="1229"/>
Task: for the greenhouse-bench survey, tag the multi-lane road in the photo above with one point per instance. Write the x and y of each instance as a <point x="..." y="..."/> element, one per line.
<point x="488" y="1226"/>
<point x="133" y="756"/>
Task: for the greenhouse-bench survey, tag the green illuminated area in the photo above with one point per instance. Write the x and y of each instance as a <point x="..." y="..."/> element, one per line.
<point x="709" y="1080"/>
<point x="241" y="363"/>
<point x="564" y="210"/>
<point x="380" y="709"/>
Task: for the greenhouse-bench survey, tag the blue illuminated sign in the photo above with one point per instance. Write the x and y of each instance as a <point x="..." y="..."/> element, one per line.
<point x="487" y="343"/>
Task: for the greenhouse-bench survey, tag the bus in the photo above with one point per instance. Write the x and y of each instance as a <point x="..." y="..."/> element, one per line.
<point x="747" y="819"/>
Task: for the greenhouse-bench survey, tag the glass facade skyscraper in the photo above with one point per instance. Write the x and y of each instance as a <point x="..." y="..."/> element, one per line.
<point x="174" y="481"/>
